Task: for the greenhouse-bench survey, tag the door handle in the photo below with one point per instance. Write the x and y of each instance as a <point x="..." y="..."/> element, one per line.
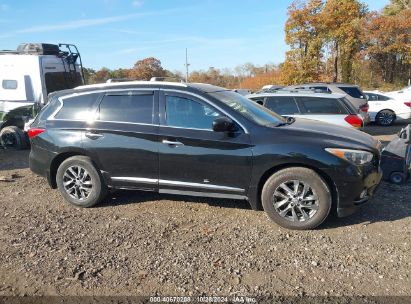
<point x="92" y="135"/>
<point x="172" y="143"/>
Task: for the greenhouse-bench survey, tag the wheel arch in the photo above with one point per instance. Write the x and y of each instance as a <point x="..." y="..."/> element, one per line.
<point x="328" y="180"/>
<point x="386" y="109"/>
<point x="56" y="162"/>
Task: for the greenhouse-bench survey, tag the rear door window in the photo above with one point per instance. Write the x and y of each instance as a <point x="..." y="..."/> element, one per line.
<point x="282" y="105"/>
<point x="77" y="107"/>
<point x="352" y="91"/>
<point x="382" y="97"/>
<point x="134" y="108"/>
<point x="371" y="97"/>
<point x="315" y="105"/>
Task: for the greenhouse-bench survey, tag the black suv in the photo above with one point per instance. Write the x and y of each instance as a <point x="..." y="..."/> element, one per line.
<point x="200" y="140"/>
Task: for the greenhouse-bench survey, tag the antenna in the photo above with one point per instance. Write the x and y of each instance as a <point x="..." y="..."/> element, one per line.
<point x="187" y="65"/>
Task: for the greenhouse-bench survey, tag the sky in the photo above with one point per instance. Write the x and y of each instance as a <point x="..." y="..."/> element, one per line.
<point x="118" y="33"/>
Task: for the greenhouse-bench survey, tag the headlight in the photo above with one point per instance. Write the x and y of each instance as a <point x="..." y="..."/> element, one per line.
<point x="356" y="157"/>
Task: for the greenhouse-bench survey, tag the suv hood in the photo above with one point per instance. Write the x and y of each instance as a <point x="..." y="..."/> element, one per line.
<point x="334" y="134"/>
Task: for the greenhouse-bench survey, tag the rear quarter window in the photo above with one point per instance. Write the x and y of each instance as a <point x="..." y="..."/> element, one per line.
<point x="46" y="112"/>
<point x="77" y="107"/>
<point x="313" y="105"/>
<point x="352" y="91"/>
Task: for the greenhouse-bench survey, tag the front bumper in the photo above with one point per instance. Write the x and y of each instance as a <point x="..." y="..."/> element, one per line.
<point x="355" y="187"/>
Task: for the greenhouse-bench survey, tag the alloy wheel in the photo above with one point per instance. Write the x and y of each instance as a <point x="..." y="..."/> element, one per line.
<point x="386" y="118"/>
<point x="77" y="182"/>
<point x="295" y="201"/>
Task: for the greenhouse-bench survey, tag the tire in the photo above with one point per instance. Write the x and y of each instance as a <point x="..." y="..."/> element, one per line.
<point x="398" y="178"/>
<point x="87" y="186"/>
<point x="309" y="212"/>
<point x="385" y="118"/>
<point x="13" y="138"/>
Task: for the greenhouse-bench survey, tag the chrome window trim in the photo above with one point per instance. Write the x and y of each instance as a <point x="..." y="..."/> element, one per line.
<point x="62" y="98"/>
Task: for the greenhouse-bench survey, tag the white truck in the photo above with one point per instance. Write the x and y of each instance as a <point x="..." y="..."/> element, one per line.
<point x="27" y="76"/>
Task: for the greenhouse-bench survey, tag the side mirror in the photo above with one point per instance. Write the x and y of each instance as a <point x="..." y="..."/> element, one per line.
<point x="224" y="124"/>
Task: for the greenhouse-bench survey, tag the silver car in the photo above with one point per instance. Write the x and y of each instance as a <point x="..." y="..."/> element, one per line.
<point x="353" y="93"/>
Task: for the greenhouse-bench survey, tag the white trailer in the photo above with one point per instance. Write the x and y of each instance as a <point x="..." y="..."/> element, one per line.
<point x="27" y="76"/>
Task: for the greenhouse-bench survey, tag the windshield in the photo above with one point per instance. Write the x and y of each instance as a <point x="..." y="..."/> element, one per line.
<point x="249" y="109"/>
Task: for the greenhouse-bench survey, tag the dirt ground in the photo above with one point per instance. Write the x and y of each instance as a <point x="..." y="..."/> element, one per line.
<point x="139" y="243"/>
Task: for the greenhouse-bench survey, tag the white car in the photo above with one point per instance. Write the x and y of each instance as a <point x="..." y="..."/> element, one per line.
<point x="385" y="109"/>
<point x="403" y="94"/>
<point x="326" y="107"/>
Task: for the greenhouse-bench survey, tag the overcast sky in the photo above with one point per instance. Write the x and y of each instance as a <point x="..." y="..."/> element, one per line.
<point x="117" y="33"/>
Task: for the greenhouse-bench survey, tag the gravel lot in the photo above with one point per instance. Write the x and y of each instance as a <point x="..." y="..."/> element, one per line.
<point x="140" y="243"/>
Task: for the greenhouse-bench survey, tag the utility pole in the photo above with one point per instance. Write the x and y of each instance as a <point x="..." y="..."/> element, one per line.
<point x="187" y="65"/>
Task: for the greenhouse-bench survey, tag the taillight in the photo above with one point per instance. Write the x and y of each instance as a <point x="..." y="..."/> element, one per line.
<point x="408" y="103"/>
<point x="365" y="107"/>
<point x="354" y="120"/>
<point x="33" y="132"/>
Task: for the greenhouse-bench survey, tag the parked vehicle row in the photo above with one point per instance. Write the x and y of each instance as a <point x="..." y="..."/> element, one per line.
<point x="330" y="108"/>
<point x="337" y="103"/>
<point x="201" y="140"/>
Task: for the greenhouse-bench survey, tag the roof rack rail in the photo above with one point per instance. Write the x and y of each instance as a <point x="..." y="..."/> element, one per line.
<point x="166" y="78"/>
<point x="111" y="80"/>
<point x="304" y="91"/>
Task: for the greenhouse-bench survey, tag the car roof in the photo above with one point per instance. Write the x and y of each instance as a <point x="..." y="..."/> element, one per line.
<point x="297" y="94"/>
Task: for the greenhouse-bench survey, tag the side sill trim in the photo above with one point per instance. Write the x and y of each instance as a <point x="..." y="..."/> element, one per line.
<point x="203" y="194"/>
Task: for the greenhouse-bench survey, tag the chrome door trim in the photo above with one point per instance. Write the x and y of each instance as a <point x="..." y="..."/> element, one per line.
<point x="163" y="182"/>
<point x="142" y="180"/>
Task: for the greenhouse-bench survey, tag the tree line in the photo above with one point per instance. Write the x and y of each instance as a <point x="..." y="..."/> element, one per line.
<point x="333" y="40"/>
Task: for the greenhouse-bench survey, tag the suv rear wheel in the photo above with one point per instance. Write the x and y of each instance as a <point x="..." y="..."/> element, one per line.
<point x="296" y="198"/>
<point x="79" y="182"/>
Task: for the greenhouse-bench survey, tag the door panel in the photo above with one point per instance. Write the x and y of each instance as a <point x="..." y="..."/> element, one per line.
<point x="127" y="152"/>
<point x="200" y="160"/>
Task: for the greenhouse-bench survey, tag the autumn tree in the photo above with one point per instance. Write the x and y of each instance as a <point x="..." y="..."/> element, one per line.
<point x="303" y="35"/>
<point x="389" y="42"/>
<point x="341" y="23"/>
<point x="146" y="69"/>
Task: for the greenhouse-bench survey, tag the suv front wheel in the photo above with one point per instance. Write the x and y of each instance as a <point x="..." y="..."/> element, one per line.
<point x="296" y="198"/>
<point x="79" y="182"/>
